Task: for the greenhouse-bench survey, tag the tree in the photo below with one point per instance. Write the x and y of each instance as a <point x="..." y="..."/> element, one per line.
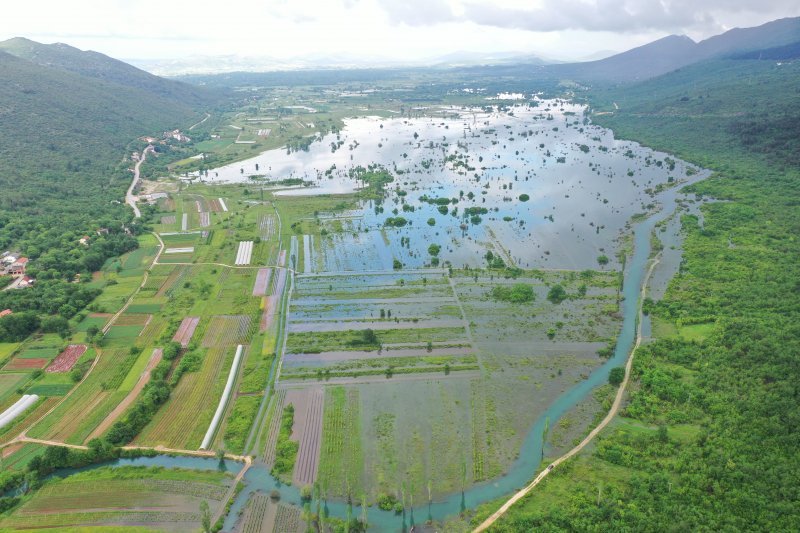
<point x="602" y="260"/>
<point x="557" y="294"/>
<point x="205" y="516"/>
<point x="616" y="376"/>
<point x="368" y="337"/>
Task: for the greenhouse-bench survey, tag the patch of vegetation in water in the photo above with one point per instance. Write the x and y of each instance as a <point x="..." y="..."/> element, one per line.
<point x="517" y="293"/>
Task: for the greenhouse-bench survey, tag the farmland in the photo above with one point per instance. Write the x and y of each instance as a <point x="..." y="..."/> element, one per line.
<point x="405" y="320"/>
<point x="157" y="498"/>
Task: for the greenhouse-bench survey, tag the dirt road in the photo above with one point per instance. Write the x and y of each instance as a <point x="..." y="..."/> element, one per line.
<point x="130" y="198"/>
<point x="144" y="378"/>
<point x="611" y="414"/>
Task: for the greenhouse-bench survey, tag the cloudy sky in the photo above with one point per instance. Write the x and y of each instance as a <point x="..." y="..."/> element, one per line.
<point x="375" y="29"/>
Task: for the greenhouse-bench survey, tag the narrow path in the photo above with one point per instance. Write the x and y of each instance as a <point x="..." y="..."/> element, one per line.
<point x="124" y="308"/>
<point x="144" y="379"/>
<point x="23" y="435"/>
<point x="222" y="510"/>
<point x="130" y="198"/>
<point x="193" y="126"/>
<point x="22" y="439"/>
<point x="610" y="416"/>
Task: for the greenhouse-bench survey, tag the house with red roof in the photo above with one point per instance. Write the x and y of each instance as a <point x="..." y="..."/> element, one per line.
<point x="18" y="267"/>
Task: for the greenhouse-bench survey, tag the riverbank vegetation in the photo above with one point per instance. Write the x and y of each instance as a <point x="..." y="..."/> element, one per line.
<point x="709" y="436"/>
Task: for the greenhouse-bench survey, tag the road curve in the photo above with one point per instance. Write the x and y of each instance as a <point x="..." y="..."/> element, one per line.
<point x="130" y="198"/>
<point x="610" y="416"/>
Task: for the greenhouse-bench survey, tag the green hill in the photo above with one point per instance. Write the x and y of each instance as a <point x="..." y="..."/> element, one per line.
<point x="708" y="438"/>
<point x="65" y="131"/>
<point x="101" y="67"/>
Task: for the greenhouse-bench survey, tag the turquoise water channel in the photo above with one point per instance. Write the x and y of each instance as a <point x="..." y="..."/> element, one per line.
<point x="519" y="473"/>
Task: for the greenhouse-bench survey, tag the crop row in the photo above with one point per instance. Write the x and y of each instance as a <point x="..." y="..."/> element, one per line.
<point x="182" y="421"/>
<point x="256" y="512"/>
<point x="227" y="330"/>
<point x="287" y="518"/>
<point x="341" y="460"/>
<point x="90" y="402"/>
<point x="274" y="426"/>
<point x="43" y="520"/>
<point x="173" y="281"/>
<point x="478" y="433"/>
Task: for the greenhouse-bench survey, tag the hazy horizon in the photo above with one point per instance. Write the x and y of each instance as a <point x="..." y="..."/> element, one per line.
<point x="375" y="32"/>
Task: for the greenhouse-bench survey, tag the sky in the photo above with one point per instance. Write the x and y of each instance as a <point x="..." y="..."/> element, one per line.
<point x="375" y="30"/>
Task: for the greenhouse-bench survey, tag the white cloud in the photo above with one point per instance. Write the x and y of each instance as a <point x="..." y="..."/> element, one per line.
<point x="397" y="29"/>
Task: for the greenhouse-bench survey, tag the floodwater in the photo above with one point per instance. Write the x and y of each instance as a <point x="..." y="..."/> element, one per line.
<point x="583" y="186"/>
<point x="529" y="460"/>
<point x="573" y="192"/>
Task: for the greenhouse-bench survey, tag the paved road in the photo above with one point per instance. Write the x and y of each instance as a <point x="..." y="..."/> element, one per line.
<point x="611" y="414"/>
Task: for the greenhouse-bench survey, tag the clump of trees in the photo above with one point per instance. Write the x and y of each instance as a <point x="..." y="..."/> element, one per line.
<point x="17" y="326"/>
<point x="517" y="293"/>
<point x="494" y="261"/>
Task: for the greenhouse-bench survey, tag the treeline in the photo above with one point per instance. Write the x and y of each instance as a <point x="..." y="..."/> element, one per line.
<point x="55" y="458"/>
<point x="153" y="396"/>
<point x="49" y="297"/>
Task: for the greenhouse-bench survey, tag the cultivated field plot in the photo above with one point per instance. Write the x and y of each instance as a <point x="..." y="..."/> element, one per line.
<point x="184" y="419"/>
<point x="263" y="278"/>
<point x="133" y="319"/>
<point x="351" y="326"/>
<point x="227" y="330"/>
<point x="186" y="330"/>
<point x="307" y="431"/>
<point x="165" y="500"/>
<point x="272" y="302"/>
<point x="30" y="363"/>
<point x="9" y="383"/>
<point x="267" y="227"/>
<point x="586" y="314"/>
<point x="67" y="359"/>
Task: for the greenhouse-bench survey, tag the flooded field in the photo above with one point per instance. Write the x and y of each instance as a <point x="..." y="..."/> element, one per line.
<point x="415" y="363"/>
<point x="535" y="183"/>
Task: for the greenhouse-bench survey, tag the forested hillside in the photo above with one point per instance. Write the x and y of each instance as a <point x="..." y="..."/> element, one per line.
<point x="91" y="64"/>
<point x="710" y="437"/>
<point x="62" y="174"/>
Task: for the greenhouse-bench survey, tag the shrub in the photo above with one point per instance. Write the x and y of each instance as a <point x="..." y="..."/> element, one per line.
<point x="616" y="376"/>
<point x="517" y="293"/>
<point x="557" y="294"/>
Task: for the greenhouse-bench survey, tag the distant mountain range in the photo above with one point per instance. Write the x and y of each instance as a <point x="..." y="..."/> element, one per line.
<point x="676" y="51"/>
<point x="209" y="65"/>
